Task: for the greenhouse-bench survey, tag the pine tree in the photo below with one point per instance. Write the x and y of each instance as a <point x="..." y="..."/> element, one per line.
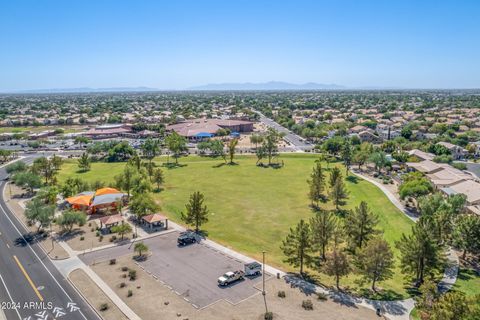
<point x="196" y="213"/>
<point x="421" y="252"/>
<point x="338" y="193"/>
<point x="84" y="162"/>
<point x="322" y="226"/>
<point x="360" y="225"/>
<point x="297" y="245"/>
<point x="375" y="261"/>
<point x="334" y="176"/>
<point x="337" y="265"/>
<point x="317" y="184"/>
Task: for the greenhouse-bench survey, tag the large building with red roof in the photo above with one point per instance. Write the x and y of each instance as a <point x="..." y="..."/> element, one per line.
<point x="109" y="131"/>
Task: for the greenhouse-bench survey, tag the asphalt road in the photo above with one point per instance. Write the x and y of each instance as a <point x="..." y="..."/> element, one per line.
<point x="192" y="271"/>
<point x="30" y="285"/>
<point x="297" y="141"/>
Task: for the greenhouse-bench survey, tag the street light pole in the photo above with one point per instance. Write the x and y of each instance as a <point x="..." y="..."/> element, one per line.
<point x="263" y="282"/>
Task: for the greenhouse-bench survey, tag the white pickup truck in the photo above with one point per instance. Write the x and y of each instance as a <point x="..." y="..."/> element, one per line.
<point x="230" y="277"/>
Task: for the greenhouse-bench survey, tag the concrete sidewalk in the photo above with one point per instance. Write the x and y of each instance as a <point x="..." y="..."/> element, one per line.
<point x="68" y="265"/>
<point x="389" y="195"/>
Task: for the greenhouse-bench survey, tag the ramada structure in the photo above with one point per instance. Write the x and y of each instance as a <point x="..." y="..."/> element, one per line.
<point x="448" y="179"/>
<point x="198" y="129"/>
<point x="102" y="200"/>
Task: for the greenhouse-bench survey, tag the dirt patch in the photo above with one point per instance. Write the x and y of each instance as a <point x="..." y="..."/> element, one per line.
<point x="85" y="237"/>
<point x="95" y="295"/>
<point x="151" y="298"/>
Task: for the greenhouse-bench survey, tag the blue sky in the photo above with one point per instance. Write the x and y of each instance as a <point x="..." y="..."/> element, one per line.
<point x="177" y="44"/>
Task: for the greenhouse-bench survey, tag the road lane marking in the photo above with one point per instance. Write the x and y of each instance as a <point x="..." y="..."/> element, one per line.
<point x="10" y="296"/>
<point x="34" y="287"/>
<point x="2" y="189"/>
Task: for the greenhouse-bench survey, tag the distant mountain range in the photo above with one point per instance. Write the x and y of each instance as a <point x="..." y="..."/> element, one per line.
<point x="272" y="85"/>
<point x="86" y="89"/>
<point x="233" y="86"/>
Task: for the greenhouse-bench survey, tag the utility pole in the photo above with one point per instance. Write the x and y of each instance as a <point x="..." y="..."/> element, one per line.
<point x="264" y="294"/>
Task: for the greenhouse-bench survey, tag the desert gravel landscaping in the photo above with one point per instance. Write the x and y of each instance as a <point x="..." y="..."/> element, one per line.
<point x="95" y="295"/>
<point x="151" y="300"/>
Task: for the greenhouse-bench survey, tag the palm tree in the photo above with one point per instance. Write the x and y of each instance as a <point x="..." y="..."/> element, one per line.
<point x="140" y="248"/>
<point x="231" y="149"/>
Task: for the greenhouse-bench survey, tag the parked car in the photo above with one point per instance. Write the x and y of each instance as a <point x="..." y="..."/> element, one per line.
<point x="186" y="237"/>
<point x="230" y="277"/>
<point x="253" y="269"/>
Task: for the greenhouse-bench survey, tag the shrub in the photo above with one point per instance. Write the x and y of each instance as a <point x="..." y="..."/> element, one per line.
<point x="268" y="315"/>
<point x="322" y="296"/>
<point x="124" y="269"/>
<point x="97" y="233"/>
<point x="123" y="284"/>
<point x="82" y="238"/>
<point x="307" y="304"/>
<point x="132" y="274"/>
<point x="92" y="229"/>
<point x="89" y="224"/>
<point x="113" y="261"/>
<point x="100" y="238"/>
<point x="129" y="293"/>
<point x="104" y="307"/>
<point x="124" y="275"/>
<point x="281" y="294"/>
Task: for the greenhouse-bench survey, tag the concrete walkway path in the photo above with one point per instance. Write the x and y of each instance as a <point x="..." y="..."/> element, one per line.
<point x="73" y="263"/>
<point x="394" y="310"/>
<point x="389" y="195"/>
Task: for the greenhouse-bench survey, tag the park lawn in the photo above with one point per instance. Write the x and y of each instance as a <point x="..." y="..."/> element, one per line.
<point x="252" y="208"/>
<point x="34" y="129"/>
<point x="468" y="282"/>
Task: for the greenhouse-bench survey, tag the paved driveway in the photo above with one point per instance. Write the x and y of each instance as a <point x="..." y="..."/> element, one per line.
<point x="191" y="271"/>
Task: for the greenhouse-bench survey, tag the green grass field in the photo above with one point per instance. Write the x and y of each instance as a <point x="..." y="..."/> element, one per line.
<point x="252" y="208"/>
<point x="34" y="129"/>
<point x="468" y="281"/>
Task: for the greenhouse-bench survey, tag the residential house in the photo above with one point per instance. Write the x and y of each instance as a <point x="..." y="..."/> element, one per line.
<point x="456" y="151"/>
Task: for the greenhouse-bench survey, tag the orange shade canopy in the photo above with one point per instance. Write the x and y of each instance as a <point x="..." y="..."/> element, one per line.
<point x="83" y="200"/>
<point x="107" y="190"/>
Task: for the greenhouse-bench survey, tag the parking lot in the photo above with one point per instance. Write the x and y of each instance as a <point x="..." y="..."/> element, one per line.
<point x="190" y="271"/>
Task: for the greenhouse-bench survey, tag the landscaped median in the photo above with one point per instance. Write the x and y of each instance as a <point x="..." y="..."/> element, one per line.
<point x="252" y="208"/>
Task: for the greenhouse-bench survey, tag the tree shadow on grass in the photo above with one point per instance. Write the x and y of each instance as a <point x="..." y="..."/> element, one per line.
<point x="172" y="165"/>
<point x="387" y="295"/>
<point x="225" y="164"/>
<point x="272" y="165"/>
<point x="467" y="274"/>
<point x="352" y="179"/>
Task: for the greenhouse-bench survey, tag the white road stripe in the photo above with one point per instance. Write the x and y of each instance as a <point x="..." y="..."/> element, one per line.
<point x="11" y="299"/>
<point x="29" y="246"/>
